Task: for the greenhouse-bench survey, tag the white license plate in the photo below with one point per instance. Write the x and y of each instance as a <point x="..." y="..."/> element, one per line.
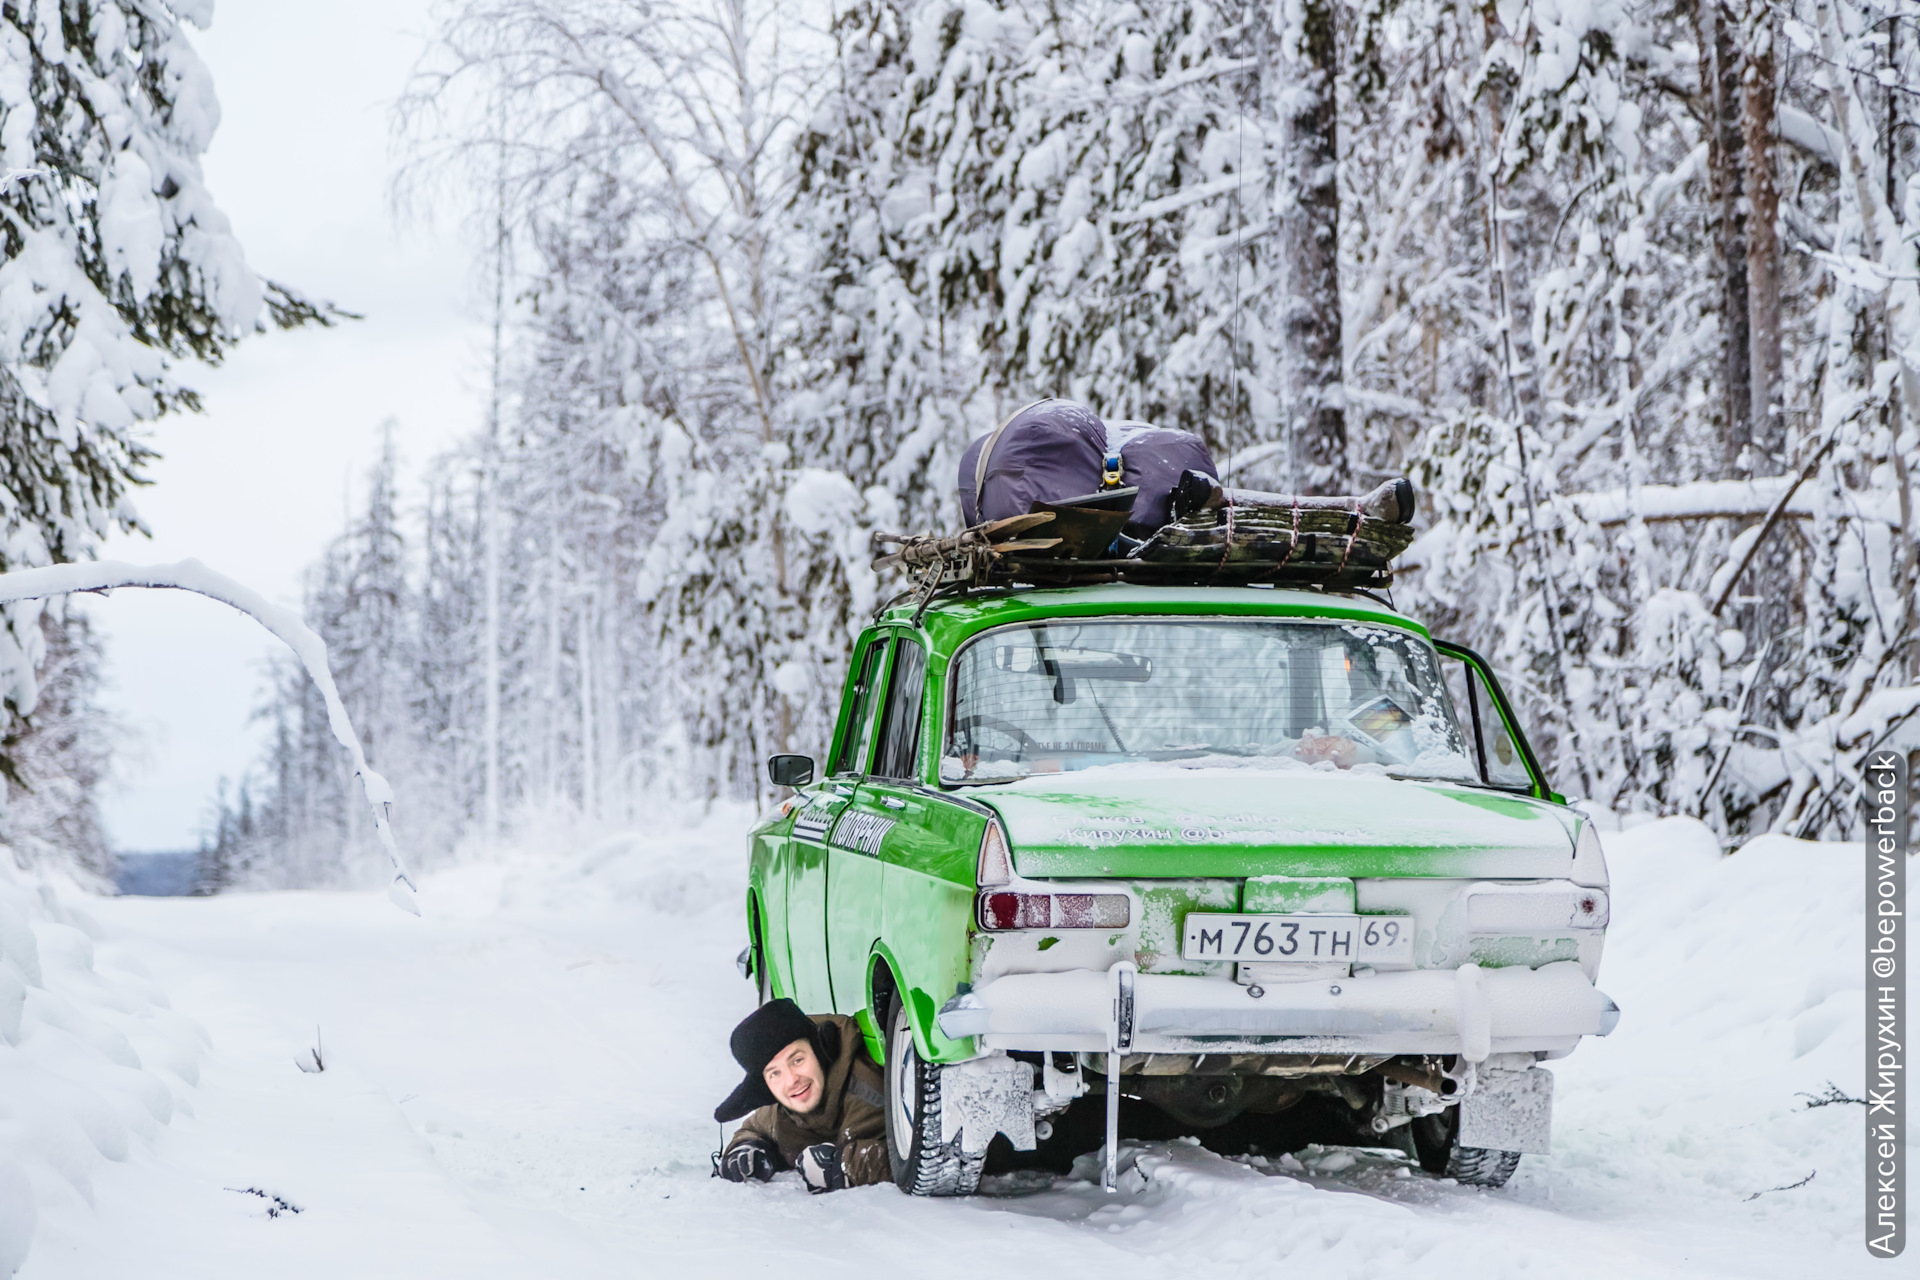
<point x="1300" y="939"/>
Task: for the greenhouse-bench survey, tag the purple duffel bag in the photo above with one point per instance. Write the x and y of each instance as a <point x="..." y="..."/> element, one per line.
<point x="1056" y="450"/>
<point x="1049" y="451"/>
<point x="1152" y="460"/>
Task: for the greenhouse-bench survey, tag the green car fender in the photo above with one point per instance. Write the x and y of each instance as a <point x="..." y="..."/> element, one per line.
<point x="761" y="955"/>
<point x="766" y="904"/>
<point x="922" y="1006"/>
<point x="765" y="940"/>
<point x="926" y="936"/>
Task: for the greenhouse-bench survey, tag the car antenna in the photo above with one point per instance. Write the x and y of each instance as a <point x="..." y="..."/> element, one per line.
<point x="1239" y="217"/>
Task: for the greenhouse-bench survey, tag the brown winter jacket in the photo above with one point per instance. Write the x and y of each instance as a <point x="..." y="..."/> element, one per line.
<point x="849" y="1114"/>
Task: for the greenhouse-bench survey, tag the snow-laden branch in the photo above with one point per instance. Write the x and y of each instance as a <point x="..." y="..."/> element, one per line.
<point x="191" y="575"/>
<point x="1671" y="503"/>
<point x="1179" y="200"/>
<point x="1722" y="499"/>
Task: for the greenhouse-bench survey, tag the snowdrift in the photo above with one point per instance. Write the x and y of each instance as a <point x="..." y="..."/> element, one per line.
<point x="90" y="1062"/>
<point x="1743" y="1001"/>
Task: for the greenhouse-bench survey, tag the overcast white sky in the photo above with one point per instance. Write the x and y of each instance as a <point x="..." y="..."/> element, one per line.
<point x="257" y="484"/>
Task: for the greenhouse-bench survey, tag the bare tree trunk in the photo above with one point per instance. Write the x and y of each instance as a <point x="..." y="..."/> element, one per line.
<point x="1313" y="400"/>
<point x="1720" y="66"/>
<point x="1767" y="414"/>
<point x="490" y="542"/>
<point x="589" y="756"/>
<point x="1773" y="584"/>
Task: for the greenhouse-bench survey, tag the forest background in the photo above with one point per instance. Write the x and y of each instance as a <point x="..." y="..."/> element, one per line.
<point x="1631" y="292"/>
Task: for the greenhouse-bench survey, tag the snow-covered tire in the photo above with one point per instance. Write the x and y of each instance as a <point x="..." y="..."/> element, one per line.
<point x="922" y="1164"/>
<point x="1435" y="1143"/>
<point x="1481" y="1166"/>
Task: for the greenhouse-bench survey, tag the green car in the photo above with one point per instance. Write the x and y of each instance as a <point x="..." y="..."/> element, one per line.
<point x="1233" y="854"/>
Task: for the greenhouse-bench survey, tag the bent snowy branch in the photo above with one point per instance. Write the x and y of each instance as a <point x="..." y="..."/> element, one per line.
<point x="191" y="575"/>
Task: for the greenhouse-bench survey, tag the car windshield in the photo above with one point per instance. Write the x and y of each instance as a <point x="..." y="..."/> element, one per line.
<point x="1058" y="696"/>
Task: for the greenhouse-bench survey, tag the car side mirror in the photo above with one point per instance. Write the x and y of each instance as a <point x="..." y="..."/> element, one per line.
<point x="790" y="771"/>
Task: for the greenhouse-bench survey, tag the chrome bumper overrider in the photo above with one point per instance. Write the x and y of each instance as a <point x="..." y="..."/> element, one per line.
<point x="1469" y="1011"/>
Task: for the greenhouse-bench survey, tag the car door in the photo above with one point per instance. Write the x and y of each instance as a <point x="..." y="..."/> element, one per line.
<point x="810" y="876"/>
<point x="856" y="877"/>
<point x="931" y="849"/>
<point x="1494" y="741"/>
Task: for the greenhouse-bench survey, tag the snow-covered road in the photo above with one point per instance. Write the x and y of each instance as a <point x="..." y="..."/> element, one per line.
<point x="518" y="1084"/>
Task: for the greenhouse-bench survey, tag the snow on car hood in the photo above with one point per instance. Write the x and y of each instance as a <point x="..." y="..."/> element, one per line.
<point x="1155" y="820"/>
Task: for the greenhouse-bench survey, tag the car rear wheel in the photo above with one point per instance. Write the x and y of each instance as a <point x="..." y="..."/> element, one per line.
<point x="922" y="1164"/>
<point x="1436" y="1143"/>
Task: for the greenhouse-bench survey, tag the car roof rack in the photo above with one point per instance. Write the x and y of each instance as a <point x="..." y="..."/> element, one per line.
<point x="1218" y="537"/>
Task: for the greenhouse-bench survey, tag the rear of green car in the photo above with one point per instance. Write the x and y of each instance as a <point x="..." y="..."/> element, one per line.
<point x="1236" y="847"/>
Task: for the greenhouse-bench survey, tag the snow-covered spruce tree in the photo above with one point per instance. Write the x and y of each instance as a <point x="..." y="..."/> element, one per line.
<point x="882" y="372"/>
<point x="1849" y="674"/>
<point x="1561" y="544"/>
<point x="117" y="266"/>
<point x="1051" y="199"/>
<point x="57" y="759"/>
<point x="1558" y="140"/>
<point x="1092" y="177"/>
<point x="448" y="691"/>
<point x="881" y="380"/>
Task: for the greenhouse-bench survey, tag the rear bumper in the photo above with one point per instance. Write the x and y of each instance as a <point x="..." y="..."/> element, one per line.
<point x="1470" y="1011"/>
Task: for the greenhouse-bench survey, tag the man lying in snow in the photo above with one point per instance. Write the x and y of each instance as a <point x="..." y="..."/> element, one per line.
<point x="814" y="1097"/>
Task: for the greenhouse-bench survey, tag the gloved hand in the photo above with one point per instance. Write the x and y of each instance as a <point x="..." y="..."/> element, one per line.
<point x="746" y="1160"/>
<point x="820" y="1167"/>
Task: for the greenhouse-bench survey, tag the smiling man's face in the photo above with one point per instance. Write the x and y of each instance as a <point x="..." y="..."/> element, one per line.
<point x="796" y="1078"/>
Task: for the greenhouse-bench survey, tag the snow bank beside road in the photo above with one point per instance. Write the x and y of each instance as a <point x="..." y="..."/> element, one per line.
<point x="1740" y="982"/>
<point x="91" y="1062"/>
<point x="676" y="867"/>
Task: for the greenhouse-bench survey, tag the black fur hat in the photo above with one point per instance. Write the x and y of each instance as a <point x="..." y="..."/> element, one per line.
<point x="761" y="1035"/>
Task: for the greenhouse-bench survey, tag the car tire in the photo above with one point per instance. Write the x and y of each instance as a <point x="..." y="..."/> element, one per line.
<point x="922" y="1164"/>
<point x="1436" y="1145"/>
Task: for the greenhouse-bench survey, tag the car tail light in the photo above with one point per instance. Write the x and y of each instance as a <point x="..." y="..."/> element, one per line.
<point x="1529" y="908"/>
<point x="1590" y="909"/>
<point x="1007" y="910"/>
<point x="995" y="866"/>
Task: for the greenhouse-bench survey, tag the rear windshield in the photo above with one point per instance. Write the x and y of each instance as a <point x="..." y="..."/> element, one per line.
<point x="1058" y="696"/>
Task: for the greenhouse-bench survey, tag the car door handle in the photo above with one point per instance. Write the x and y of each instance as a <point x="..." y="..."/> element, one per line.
<point x="893" y="802"/>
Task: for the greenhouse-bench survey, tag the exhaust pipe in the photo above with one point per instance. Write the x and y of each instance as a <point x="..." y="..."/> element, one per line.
<point x="1401" y="1071"/>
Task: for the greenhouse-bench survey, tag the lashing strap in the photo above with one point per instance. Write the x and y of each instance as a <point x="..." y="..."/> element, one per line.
<point x="986" y="456"/>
